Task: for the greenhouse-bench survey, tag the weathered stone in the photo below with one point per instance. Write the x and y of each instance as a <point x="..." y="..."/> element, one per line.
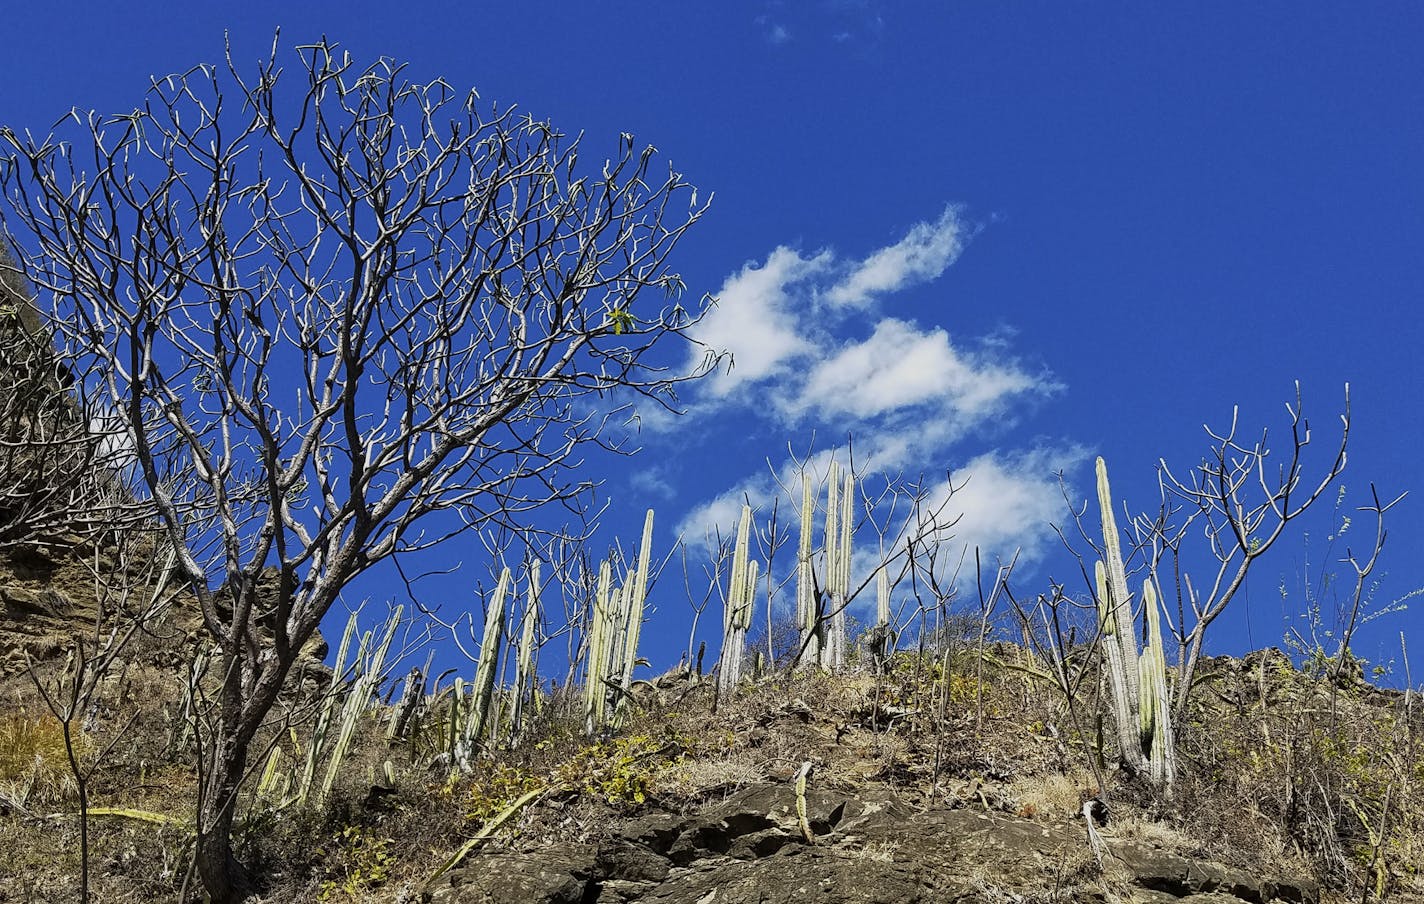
<point x="557" y="874"/>
<point x="796" y="876"/>
<point x="631" y="861"/>
<point x="621" y="891"/>
<point x="656" y="831"/>
<point x="1159" y="870"/>
<point x="760" y="844"/>
<point x="870" y="849"/>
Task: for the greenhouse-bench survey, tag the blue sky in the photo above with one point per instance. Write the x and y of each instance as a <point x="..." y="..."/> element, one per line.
<point x="988" y="237"/>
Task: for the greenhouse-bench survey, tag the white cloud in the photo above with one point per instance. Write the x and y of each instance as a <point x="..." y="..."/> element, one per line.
<point x="1008" y="501"/>
<point x="813" y="352"/>
<point x="759" y="491"/>
<point x="755" y="320"/>
<point x="700" y="526"/>
<point x="923" y="254"/>
<point x="774" y="31"/>
<point x="897" y="366"/>
<point x="900" y="366"/>
<point x="652" y="481"/>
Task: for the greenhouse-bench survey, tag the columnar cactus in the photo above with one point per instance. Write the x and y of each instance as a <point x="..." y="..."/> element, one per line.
<point x="840" y="513"/>
<point x="637" y="590"/>
<point x="1137" y="683"/>
<point x="822" y="618"/>
<point x="738" y="617"/>
<point x="353" y="684"/>
<point x="881" y="640"/>
<point x="525" y="677"/>
<point x="882" y="599"/>
<point x="323" y="720"/>
<point x="472" y="713"/>
<point x="1155" y="716"/>
<point x="808" y="613"/>
<point x="488" y="668"/>
<point x="599" y="632"/>
<point x="613" y="639"/>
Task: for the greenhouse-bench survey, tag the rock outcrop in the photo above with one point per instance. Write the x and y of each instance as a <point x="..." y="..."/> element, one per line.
<point x="867" y="848"/>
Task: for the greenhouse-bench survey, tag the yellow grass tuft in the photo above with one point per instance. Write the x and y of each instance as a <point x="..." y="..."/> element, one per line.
<point x="34" y="767"/>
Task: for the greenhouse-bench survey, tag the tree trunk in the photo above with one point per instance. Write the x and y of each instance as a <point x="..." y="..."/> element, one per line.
<point x="225" y="879"/>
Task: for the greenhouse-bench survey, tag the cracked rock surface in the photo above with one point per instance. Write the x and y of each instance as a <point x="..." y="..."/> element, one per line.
<point x="870" y="849"/>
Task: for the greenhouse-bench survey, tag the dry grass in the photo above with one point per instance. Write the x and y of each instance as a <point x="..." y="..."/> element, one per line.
<point x="1052" y="794"/>
<point x="34" y="764"/>
<point x="1297" y="785"/>
<point x="696" y="778"/>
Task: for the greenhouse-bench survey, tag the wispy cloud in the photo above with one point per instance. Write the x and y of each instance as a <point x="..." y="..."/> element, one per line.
<point x="854" y="24"/>
<point x="652" y="481"/>
<point x="922" y="255"/>
<point x="1007" y="501"/>
<point x="814" y="349"/>
<point x="756" y="320"/>
<point x="901" y="366"/>
<point x="774" y="31"/>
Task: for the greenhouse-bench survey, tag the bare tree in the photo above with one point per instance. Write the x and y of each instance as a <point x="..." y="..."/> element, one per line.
<point x="131" y="593"/>
<point x="1240" y="506"/>
<point x="343" y="316"/>
<point x="59" y="477"/>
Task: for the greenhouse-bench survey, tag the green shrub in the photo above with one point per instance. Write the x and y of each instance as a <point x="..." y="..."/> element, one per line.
<point x="363" y="861"/>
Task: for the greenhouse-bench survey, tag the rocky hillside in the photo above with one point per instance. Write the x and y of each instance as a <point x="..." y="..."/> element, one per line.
<point x="916" y="785"/>
<point x="957" y="774"/>
<point x="837" y="794"/>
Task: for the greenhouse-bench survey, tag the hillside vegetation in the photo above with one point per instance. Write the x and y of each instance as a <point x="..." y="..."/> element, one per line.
<point x="1285" y="775"/>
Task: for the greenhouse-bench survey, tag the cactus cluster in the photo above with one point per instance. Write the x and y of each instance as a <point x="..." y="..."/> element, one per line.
<point x="612" y="643"/>
<point x="821" y="617"/>
<point x="354" y="683"/>
<point x="1137" y="682"/>
<point x="738" y="613"/>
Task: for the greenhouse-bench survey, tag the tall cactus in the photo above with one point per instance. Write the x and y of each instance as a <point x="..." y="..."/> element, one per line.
<point x="808" y="611"/>
<point x="1115" y="614"/>
<point x="1137" y="683"/>
<point x="637" y="590"/>
<point x="840" y="513"/>
<point x="472" y="716"/>
<point x="1155" y="716"/>
<point x="317" y="744"/>
<point x="882" y="599"/>
<point x="880" y="642"/>
<point x="822" y="618"/>
<point x="614" y="633"/>
<point x="599" y="632"/>
<point x="740" y="593"/>
<point x="488" y="669"/>
<point x="525" y="675"/>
